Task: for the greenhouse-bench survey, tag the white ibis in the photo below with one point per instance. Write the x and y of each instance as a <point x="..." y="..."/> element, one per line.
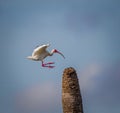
<point x="40" y="53"/>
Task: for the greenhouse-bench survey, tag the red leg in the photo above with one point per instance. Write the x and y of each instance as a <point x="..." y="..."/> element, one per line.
<point x="49" y="63"/>
<point x="46" y="65"/>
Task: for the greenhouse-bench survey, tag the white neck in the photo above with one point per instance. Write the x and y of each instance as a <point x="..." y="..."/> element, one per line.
<point x="52" y="52"/>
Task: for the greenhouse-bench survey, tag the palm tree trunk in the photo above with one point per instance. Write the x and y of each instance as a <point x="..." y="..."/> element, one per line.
<point x="71" y="96"/>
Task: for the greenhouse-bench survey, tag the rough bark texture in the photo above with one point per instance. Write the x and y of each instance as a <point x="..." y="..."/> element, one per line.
<point x="71" y="97"/>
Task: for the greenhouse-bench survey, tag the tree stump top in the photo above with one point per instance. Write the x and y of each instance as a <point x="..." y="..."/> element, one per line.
<point x="71" y="97"/>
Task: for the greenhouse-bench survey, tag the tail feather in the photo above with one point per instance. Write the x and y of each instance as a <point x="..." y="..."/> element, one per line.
<point x="30" y="57"/>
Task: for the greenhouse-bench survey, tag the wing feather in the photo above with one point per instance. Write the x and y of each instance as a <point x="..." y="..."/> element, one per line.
<point x="40" y="49"/>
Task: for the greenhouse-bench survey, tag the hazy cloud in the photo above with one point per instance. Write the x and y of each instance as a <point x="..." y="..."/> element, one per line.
<point x="87" y="76"/>
<point x="100" y="87"/>
<point x="42" y="98"/>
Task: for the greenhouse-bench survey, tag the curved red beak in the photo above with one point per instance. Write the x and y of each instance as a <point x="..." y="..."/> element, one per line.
<point x="56" y="51"/>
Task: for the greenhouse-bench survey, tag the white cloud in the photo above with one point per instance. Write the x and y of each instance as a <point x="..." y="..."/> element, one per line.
<point x="37" y="98"/>
<point x="100" y="87"/>
<point x="88" y="75"/>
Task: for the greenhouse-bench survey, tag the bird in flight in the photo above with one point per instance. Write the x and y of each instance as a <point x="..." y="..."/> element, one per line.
<point x="40" y="53"/>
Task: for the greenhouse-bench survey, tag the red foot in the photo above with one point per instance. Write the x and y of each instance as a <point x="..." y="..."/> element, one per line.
<point x="48" y="65"/>
<point x="51" y="66"/>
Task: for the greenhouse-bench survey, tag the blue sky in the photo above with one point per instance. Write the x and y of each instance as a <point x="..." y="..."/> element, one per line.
<point x="87" y="32"/>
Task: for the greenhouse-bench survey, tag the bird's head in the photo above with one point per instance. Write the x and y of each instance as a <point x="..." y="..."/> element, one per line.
<point x="56" y="51"/>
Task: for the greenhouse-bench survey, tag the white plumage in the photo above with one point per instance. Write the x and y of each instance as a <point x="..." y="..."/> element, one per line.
<point x="40" y="53"/>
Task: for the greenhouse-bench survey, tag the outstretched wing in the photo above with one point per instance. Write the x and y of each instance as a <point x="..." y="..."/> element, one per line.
<point x="40" y="49"/>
